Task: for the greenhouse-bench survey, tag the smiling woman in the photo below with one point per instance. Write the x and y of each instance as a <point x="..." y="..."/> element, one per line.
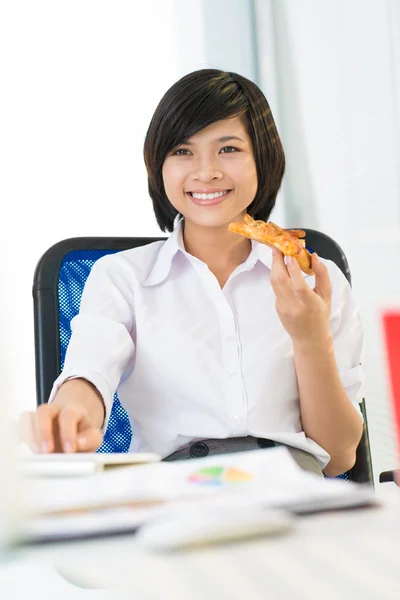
<point x="208" y="336"/>
<point x="186" y="147"/>
<point x="205" y="173"/>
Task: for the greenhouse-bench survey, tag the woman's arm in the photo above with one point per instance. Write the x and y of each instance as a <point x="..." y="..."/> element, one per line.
<point x="100" y="348"/>
<point x="101" y="344"/>
<point x="327" y="414"/>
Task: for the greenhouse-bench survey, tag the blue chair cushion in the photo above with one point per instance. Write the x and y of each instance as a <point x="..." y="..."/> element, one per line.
<point x="74" y="271"/>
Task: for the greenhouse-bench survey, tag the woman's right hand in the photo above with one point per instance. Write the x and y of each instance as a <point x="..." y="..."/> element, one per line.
<point x="71" y="423"/>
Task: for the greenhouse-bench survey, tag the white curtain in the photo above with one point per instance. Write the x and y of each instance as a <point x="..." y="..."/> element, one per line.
<point x="334" y="69"/>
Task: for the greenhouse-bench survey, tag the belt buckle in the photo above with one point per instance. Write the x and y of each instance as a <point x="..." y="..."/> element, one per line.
<point x="264" y="443"/>
<point x="198" y="450"/>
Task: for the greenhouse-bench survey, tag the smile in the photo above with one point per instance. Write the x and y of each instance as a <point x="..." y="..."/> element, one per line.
<point x="209" y="199"/>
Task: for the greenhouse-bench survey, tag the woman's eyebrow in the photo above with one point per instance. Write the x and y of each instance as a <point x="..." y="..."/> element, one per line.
<point x="225" y="138"/>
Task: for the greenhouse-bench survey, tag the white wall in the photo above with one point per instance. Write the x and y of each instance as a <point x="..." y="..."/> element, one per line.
<point x="80" y="80"/>
<point x="335" y="69"/>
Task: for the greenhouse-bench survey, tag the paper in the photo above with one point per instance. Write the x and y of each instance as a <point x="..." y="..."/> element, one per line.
<point x="80" y="464"/>
<point x="33" y="468"/>
<point x="269" y="479"/>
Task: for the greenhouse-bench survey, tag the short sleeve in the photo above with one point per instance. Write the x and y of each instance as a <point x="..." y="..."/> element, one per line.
<point x="101" y="345"/>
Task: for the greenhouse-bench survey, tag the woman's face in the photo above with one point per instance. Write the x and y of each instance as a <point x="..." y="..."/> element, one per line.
<point x="212" y="178"/>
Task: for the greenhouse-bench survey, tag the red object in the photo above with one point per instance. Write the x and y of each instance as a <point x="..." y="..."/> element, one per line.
<point x="391" y="325"/>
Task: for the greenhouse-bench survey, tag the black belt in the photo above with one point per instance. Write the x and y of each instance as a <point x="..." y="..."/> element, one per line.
<point x="203" y="448"/>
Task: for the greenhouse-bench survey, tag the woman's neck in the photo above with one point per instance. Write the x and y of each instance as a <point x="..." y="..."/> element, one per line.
<point x="220" y="249"/>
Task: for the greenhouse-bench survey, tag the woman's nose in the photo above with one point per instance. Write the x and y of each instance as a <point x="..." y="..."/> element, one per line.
<point x="206" y="169"/>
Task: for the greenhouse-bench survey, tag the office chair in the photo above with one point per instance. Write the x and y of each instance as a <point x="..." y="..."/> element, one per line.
<point x="57" y="288"/>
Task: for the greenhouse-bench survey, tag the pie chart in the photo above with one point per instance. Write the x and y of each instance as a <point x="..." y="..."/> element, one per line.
<point x="219" y="476"/>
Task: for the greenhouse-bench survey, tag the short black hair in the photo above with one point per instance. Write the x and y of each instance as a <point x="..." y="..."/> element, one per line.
<point x="195" y="102"/>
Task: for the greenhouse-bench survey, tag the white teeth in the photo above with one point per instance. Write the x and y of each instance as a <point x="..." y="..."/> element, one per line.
<point x="208" y="196"/>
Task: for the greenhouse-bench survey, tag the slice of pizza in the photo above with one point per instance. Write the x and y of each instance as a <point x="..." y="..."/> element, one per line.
<point x="291" y="242"/>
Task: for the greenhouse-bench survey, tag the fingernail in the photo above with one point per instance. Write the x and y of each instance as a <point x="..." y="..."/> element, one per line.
<point x="44" y="447"/>
<point x="289" y="260"/>
<point x="67" y="447"/>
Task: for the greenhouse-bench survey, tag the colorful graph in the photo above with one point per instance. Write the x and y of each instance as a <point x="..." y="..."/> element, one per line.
<point x="219" y="476"/>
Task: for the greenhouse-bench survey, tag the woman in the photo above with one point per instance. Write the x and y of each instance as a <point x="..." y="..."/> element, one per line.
<point x="214" y="342"/>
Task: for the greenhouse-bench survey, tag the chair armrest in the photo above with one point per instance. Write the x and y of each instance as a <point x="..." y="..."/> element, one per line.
<point x="386" y="476"/>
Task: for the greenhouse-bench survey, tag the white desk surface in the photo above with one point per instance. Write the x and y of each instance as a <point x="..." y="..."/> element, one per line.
<point x="347" y="555"/>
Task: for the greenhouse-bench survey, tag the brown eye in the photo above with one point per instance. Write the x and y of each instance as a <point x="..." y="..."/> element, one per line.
<point x="229" y="149"/>
<point x="181" y="152"/>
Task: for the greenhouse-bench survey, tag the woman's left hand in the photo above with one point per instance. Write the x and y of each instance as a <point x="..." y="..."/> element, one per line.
<point x="304" y="312"/>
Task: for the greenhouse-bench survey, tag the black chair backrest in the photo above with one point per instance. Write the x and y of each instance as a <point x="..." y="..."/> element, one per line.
<point x="47" y="314"/>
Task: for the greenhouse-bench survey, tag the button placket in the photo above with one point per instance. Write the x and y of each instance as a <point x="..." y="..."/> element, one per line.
<point x="232" y="360"/>
<point x="236" y="401"/>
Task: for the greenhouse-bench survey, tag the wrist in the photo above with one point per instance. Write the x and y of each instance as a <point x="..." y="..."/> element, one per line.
<point x="321" y="343"/>
<point x="82" y="392"/>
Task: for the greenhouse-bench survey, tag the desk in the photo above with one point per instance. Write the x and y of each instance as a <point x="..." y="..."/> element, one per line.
<point x="351" y="555"/>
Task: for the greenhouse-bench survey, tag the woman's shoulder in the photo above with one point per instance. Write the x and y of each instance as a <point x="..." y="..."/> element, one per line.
<point x="335" y="272"/>
<point x="136" y="263"/>
<point x="342" y="294"/>
<point x="337" y="277"/>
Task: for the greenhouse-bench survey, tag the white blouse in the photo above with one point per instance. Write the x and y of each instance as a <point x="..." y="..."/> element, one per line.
<point x="193" y="361"/>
